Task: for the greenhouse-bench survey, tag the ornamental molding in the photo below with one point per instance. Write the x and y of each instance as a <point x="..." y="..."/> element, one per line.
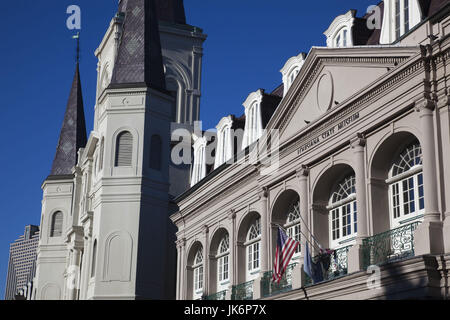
<point x="355" y="106"/>
<point x="358" y="141"/>
<point x="311" y="78"/>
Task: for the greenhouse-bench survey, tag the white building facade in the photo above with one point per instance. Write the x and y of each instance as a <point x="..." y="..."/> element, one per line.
<point x="106" y="232"/>
<point x="364" y="139"/>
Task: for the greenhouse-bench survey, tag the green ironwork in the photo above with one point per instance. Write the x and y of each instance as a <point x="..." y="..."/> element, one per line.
<point x="389" y="246"/>
<point x="243" y="291"/>
<point x="338" y="266"/>
<point x="270" y="288"/>
<point x="222" y="295"/>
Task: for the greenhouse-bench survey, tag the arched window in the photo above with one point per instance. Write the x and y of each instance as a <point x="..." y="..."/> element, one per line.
<point x="223" y="260"/>
<point x="56" y="225"/>
<point x="199" y="168"/>
<point x="399" y="17"/>
<point x="291" y="70"/>
<point x="407" y="198"/>
<point x="94" y="258"/>
<point x="155" y="153"/>
<point x="124" y="150"/>
<point x="101" y="154"/>
<point x="253" y="245"/>
<point x="198" y="274"/>
<point x="293" y="224"/>
<point x="343" y="213"/>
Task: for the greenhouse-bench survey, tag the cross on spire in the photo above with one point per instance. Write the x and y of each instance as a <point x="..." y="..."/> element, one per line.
<point x="77" y="37"/>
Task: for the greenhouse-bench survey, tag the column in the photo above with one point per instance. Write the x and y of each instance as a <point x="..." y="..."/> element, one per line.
<point x="206" y="261"/>
<point x="183" y="270"/>
<point x="87" y="256"/>
<point x="180" y="264"/>
<point x="444" y="111"/>
<point x="298" y="278"/>
<point x="428" y="238"/>
<point x="264" y="250"/>
<point x="233" y="253"/>
<point x="302" y="175"/>
<point x="355" y="255"/>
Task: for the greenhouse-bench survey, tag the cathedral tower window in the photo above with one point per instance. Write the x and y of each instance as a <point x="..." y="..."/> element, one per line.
<point x="56" y="225"/>
<point x="124" y="150"/>
<point x="94" y="258"/>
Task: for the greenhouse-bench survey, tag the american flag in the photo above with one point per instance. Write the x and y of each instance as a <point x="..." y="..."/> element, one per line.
<point x="285" y="250"/>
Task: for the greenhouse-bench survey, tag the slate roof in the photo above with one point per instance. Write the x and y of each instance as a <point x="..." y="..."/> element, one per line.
<point x="171" y="11"/>
<point x="73" y="132"/>
<point x="139" y="61"/>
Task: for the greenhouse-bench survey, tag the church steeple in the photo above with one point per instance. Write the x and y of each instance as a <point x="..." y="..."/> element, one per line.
<point x="171" y="11"/>
<point x="139" y="60"/>
<point x="73" y="131"/>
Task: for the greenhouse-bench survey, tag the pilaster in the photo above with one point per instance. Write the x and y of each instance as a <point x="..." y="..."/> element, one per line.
<point x="428" y="238"/>
<point x="355" y="254"/>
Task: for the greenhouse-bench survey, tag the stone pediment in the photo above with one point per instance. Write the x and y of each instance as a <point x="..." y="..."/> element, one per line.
<point x="329" y="78"/>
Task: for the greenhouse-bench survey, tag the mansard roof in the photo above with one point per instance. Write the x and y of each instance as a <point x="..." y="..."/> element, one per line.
<point x="73" y="131"/>
<point x="139" y="60"/>
<point x="171" y="11"/>
<point x="269" y="105"/>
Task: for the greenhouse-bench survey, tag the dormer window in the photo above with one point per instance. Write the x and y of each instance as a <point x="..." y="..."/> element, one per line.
<point x="199" y="167"/>
<point x="291" y="70"/>
<point x="339" y="34"/>
<point x="253" y="120"/>
<point x="224" y="150"/>
<point x="400" y="16"/>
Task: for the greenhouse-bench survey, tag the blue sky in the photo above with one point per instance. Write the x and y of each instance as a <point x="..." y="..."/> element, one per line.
<point x="248" y="43"/>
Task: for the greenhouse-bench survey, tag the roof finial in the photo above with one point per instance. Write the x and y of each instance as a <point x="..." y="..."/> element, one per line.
<point x="77" y="36"/>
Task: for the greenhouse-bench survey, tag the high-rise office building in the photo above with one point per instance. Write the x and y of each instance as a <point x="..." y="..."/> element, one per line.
<point x="22" y="263"/>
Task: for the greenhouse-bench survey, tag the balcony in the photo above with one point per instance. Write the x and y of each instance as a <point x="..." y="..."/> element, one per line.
<point x="389" y="246"/>
<point x="338" y="266"/>
<point x="243" y="291"/>
<point x="218" y="296"/>
<point x="270" y="288"/>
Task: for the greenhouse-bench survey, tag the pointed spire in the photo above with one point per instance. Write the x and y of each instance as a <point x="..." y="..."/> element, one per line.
<point x="171" y="11"/>
<point x="139" y="59"/>
<point x="73" y="131"/>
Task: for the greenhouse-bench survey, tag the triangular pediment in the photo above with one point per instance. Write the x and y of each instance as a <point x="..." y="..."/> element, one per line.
<point x="329" y="78"/>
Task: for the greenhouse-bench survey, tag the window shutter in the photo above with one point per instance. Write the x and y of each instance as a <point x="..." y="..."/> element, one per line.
<point x="57" y="222"/>
<point x="124" y="150"/>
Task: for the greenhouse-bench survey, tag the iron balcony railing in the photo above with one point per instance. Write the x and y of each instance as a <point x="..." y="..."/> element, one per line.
<point x="338" y="266"/>
<point x="243" y="291"/>
<point x="222" y="295"/>
<point x="270" y="288"/>
<point x="389" y="246"/>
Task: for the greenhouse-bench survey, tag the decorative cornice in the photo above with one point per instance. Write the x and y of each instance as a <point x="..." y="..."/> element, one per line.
<point x="353" y="107"/>
<point x="311" y="77"/>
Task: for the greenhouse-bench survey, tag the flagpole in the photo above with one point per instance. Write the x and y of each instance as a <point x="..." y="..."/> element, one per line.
<point x="314" y="238"/>
<point x="314" y="245"/>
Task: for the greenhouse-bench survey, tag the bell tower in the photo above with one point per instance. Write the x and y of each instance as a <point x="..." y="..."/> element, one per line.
<point x="133" y="116"/>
